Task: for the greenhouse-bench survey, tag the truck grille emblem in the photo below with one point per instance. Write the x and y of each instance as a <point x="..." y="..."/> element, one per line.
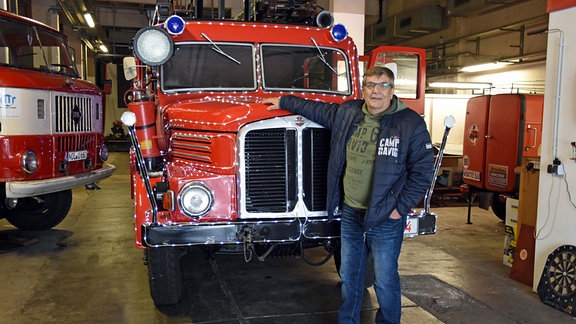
<point x="76" y="114"/>
<point x="299" y="121"/>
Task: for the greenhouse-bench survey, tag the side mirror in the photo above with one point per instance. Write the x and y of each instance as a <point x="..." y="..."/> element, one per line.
<point x="129" y="64"/>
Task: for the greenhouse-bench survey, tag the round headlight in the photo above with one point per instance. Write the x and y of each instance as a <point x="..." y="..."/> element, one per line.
<point x="29" y="162"/>
<point x="104" y="152"/>
<point x="195" y="199"/>
<point x="153" y="46"/>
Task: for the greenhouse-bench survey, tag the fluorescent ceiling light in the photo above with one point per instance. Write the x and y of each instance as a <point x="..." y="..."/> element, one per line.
<point x="461" y="85"/>
<point x="89" y="20"/>
<point x="485" y="67"/>
<point x="103" y="48"/>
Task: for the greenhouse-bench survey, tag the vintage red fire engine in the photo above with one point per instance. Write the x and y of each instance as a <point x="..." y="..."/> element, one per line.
<point x="51" y="132"/>
<point x="212" y="166"/>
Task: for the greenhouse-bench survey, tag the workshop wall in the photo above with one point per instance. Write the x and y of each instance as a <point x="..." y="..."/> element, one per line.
<point x="556" y="220"/>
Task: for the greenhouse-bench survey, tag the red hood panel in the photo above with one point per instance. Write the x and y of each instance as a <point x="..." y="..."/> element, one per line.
<point x="19" y="78"/>
<point x="217" y="114"/>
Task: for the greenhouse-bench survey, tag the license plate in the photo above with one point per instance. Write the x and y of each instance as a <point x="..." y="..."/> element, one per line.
<point x="76" y="156"/>
<point x="411" y="226"/>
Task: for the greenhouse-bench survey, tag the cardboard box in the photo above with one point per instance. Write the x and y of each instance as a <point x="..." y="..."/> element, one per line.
<point x="511" y="231"/>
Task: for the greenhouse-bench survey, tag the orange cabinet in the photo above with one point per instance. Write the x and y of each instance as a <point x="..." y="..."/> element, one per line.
<point x="499" y="131"/>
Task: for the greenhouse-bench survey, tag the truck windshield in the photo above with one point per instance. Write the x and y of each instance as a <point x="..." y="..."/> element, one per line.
<point x="210" y="66"/>
<point x="232" y="67"/>
<point x="304" y="68"/>
<point x="31" y="47"/>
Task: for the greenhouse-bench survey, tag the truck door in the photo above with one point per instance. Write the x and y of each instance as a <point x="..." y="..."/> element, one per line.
<point x="514" y="131"/>
<point x="504" y="141"/>
<point x="409" y="67"/>
<point x="474" y="144"/>
<point x="533" y="125"/>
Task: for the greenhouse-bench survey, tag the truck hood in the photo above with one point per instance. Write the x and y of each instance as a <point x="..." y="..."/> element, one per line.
<point x="225" y="114"/>
<point x="21" y="78"/>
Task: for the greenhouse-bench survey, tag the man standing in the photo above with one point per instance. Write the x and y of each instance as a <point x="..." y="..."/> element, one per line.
<point x="381" y="164"/>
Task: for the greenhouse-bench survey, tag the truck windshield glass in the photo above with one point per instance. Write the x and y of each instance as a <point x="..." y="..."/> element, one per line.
<point x="305" y="68"/>
<point x="29" y="47"/>
<point x="198" y="66"/>
<point x="406" y="66"/>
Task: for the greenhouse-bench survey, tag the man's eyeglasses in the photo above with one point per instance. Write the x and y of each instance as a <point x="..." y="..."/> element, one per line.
<point x="380" y="85"/>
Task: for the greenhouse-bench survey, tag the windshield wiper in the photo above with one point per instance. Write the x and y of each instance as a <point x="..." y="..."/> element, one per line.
<point x="321" y="56"/>
<point x="39" y="44"/>
<point x="217" y="49"/>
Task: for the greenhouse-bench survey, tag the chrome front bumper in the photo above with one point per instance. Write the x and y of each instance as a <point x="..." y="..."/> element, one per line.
<point x="265" y="231"/>
<point x="21" y="189"/>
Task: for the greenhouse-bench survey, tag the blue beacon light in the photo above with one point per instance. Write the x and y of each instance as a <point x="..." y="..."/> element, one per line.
<point x="174" y="25"/>
<point x="339" y="32"/>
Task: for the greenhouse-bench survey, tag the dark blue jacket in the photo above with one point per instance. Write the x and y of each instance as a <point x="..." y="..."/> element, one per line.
<point x="401" y="177"/>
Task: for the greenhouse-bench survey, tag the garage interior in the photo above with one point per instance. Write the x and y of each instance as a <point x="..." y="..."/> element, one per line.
<point x="87" y="269"/>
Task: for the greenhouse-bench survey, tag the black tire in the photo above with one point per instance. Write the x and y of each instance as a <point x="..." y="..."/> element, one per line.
<point x="499" y="207"/>
<point x="164" y="275"/>
<point x="41" y="212"/>
<point x="369" y="275"/>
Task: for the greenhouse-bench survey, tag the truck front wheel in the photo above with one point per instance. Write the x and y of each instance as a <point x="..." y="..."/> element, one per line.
<point x="41" y="212"/>
<point x="164" y="275"/>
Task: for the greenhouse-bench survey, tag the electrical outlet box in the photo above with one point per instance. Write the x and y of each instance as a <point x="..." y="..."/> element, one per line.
<point x="557" y="169"/>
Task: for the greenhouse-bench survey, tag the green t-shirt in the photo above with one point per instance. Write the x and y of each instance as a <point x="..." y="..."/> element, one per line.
<point x="360" y="157"/>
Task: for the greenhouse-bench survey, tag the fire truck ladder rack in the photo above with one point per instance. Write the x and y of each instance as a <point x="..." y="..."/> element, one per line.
<point x="297" y="12"/>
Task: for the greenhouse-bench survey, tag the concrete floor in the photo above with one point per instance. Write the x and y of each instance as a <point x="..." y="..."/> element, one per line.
<point x="87" y="270"/>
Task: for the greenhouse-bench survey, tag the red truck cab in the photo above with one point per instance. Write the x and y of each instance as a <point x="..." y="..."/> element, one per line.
<point x="51" y="132"/>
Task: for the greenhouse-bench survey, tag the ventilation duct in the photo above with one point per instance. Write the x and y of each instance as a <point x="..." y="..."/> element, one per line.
<point x="383" y="33"/>
<point x="422" y="20"/>
<point x="465" y="8"/>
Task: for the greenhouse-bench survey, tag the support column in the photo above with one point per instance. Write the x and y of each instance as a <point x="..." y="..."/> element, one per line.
<point x="351" y="14"/>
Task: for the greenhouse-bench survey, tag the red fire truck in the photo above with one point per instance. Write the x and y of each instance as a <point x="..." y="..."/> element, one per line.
<point x="213" y="168"/>
<point x="51" y="132"/>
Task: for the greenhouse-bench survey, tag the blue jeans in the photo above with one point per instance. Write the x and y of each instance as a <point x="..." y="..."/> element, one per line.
<point x="384" y="242"/>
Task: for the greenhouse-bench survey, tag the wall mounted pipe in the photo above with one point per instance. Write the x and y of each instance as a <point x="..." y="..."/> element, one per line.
<point x="558" y="91"/>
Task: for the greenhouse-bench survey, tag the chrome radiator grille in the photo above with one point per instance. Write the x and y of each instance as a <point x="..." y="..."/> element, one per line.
<point x="72" y="113"/>
<point x="315" y="151"/>
<point x="76" y="142"/>
<point x="272" y="168"/>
